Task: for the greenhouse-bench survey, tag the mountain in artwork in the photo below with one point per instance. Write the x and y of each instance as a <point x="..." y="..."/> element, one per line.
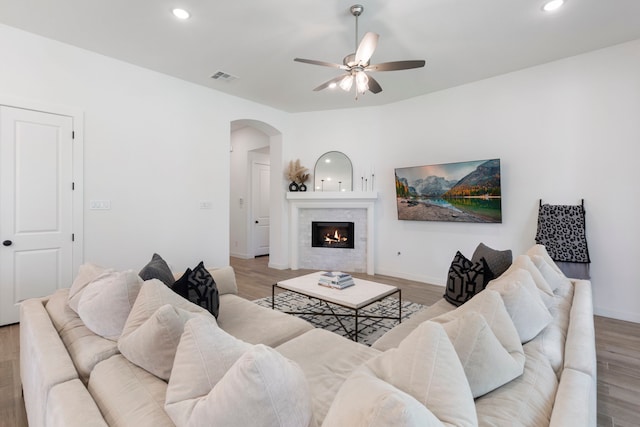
<point x="483" y="181"/>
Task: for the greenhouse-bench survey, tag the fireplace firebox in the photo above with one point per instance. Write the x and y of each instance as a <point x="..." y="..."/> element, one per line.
<point x="331" y="234"/>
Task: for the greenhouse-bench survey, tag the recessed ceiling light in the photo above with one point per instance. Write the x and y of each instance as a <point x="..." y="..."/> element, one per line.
<point x="552" y="5"/>
<point x="181" y="13"/>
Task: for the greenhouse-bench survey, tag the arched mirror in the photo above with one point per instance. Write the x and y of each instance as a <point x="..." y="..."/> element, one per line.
<point x="333" y="172"/>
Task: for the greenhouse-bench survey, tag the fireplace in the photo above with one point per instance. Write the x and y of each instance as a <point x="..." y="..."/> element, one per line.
<point x="331" y="234"/>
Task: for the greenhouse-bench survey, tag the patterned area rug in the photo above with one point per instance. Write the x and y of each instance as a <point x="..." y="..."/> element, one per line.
<point x="369" y="330"/>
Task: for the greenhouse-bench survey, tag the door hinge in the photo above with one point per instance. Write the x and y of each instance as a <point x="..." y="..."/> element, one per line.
<point x="73" y="237"/>
<point x="73" y="186"/>
<point x="73" y="134"/>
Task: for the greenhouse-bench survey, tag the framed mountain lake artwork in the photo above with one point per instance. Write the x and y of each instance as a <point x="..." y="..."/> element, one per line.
<point x="458" y="192"/>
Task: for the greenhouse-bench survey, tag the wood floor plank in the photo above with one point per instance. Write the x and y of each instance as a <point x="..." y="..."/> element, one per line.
<point x="617" y="347"/>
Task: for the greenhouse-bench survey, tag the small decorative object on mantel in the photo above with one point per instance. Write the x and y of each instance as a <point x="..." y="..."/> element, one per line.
<point x="297" y="175"/>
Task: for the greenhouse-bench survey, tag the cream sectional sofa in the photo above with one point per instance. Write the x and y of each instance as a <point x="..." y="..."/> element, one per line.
<point x="72" y="376"/>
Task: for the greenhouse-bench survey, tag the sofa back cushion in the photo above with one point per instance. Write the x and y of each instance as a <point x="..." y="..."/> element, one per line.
<point x="218" y="379"/>
<point x="105" y="303"/>
<point x="523" y="301"/>
<point x="426" y="367"/>
<point x="86" y="274"/>
<point x="366" y="400"/>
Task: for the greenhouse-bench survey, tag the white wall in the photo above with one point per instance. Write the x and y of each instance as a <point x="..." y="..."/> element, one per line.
<point x="564" y="131"/>
<point x="155" y="146"/>
<point x="244" y="142"/>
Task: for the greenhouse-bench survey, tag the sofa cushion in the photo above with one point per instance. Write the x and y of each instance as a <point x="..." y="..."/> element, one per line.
<point x="498" y="261"/>
<point x="465" y="279"/>
<point x="106" y="302"/>
<point x="554" y="279"/>
<point x="153" y="345"/>
<point x="486" y="341"/>
<point x="262" y="389"/>
<point x="254" y="324"/>
<point x="526" y="401"/>
<point x="392" y="338"/>
<point x="204" y="355"/>
<point x="70" y="405"/>
<point x="153" y="295"/>
<point x="128" y="396"/>
<point x="85" y="348"/>
<point x="157" y="268"/>
<point x="523" y="302"/>
<point x="489" y="304"/>
<point x="326" y="359"/>
<point x="525" y="263"/>
<point x="87" y="273"/>
<point x="199" y="287"/>
<point x="426" y="366"/>
<point x="214" y="372"/>
<point x="486" y="363"/>
<point x="366" y="400"/>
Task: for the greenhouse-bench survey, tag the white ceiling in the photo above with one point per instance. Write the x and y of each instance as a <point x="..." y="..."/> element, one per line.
<point x="461" y="40"/>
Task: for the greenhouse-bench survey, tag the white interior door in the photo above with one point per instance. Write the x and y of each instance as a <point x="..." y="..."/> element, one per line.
<point x="260" y="208"/>
<point x="36" y="201"/>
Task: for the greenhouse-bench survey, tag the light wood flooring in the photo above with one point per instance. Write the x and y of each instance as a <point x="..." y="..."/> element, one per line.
<point x="617" y="346"/>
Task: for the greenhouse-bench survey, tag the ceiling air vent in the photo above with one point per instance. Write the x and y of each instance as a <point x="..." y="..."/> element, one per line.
<point x="223" y="77"/>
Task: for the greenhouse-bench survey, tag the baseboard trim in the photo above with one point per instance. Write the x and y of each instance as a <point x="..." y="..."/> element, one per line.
<point x="415" y="278"/>
<point x="241" y="256"/>
<point x="618" y="315"/>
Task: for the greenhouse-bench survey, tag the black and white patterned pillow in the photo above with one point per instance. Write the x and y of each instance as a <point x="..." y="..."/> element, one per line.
<point x="198" y="286"/>
<point x="466" y="278"/>
<point x="157" y="268"/>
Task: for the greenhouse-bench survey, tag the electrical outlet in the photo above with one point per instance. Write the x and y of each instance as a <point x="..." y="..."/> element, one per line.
<point x="206" y="204"/>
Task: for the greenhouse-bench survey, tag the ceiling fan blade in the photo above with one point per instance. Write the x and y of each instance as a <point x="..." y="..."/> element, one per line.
<point x="396" y="65"/>
<point x="374" y="86"/>
<point x="326" y="84"/>
<point x="366" y="48"/>
<point x="323" y="63"/>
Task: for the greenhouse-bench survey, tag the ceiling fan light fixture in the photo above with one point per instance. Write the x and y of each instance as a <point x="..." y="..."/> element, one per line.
<point x="346" y="83"/>
<point x="362" y="82"/>
<point x="553" y="5"/>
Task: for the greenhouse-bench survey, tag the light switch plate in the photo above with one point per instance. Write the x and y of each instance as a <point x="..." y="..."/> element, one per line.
<point x="100" y="205"/>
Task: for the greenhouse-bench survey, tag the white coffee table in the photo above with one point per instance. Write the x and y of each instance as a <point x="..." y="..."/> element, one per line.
<point x="356" y="297"/>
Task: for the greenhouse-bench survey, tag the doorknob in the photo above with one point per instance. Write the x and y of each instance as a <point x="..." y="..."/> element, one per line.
<point x="257" y="222"/>
<point x="7" y="243"/>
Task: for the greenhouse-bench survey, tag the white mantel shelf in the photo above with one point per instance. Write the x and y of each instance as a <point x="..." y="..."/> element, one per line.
<point x="331" y="200"/>
<point x="332" y="195"/>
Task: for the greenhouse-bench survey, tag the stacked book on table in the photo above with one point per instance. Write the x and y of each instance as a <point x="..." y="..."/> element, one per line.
<point x="335" y="279"/>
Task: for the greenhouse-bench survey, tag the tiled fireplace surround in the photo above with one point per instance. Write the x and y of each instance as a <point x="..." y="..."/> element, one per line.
<point x="357" y="207"/>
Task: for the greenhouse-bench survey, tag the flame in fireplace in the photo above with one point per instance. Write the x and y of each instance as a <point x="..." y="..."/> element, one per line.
<point x="336" y="237"/>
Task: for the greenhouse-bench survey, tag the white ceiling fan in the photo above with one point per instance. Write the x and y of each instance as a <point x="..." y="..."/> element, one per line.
<point x="357" y="64"/>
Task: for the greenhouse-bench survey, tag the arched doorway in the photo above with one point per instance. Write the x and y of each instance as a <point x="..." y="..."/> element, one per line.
<point x="255" y="214"/>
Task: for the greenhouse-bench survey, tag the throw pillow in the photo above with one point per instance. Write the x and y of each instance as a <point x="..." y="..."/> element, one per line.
<point x="364" y="400"/>
<point x="153" y="295"/>
<point x="86" y="274"/>
<point x="106" y="302"/>
<point x="525" y="263"/>
<point x="523" y="301"/>
<point x="262" y="389"/>
<point x="490" y="306"/>
<point x="153" y="345"/>
<point x="554" y="279"/>
<point x="486" y="363"/>
<point x="425" y="366"/>
<point x="498" y="261"/>
<point x="466" y="279"/>
<point x="204" y="355"/>
<point x="198" y="286"/>
<point x="157" y="268"/>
